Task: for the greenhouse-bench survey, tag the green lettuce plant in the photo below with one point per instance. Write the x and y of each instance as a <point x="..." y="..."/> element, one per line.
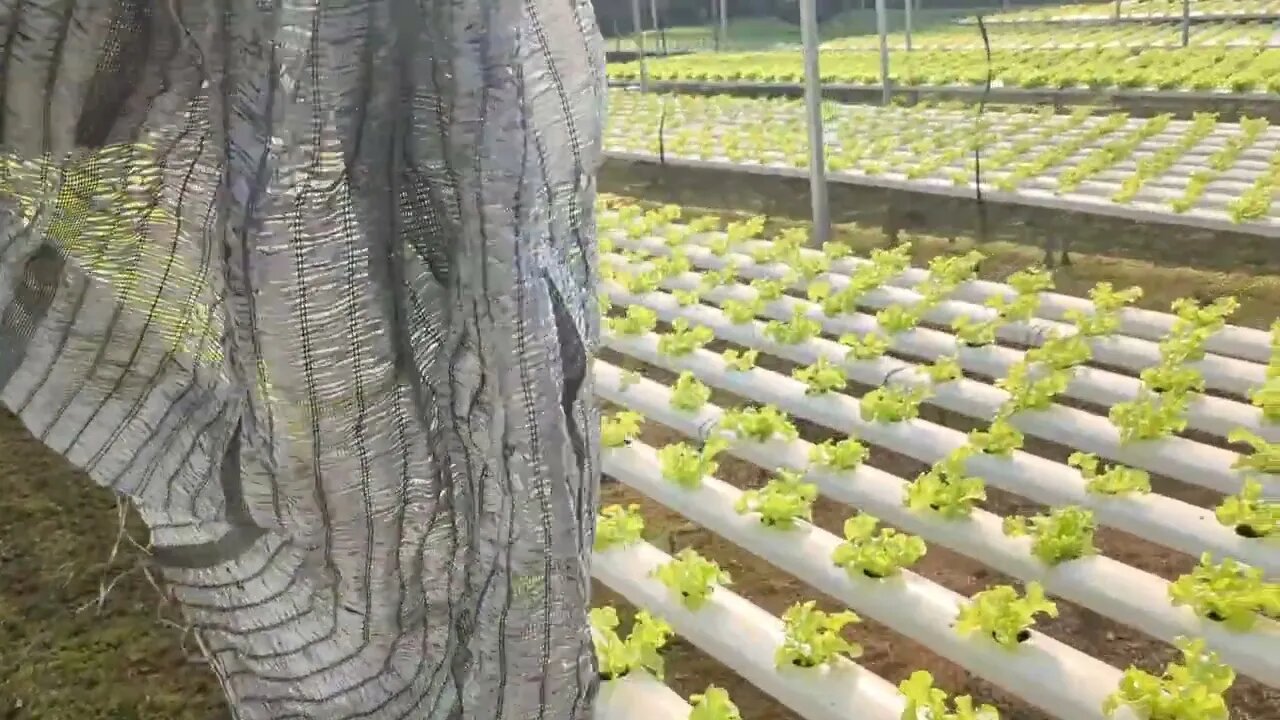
<point x="688" y="393"/>
<point x="620" y="428"/>
<point x="1252" y="515"/>
<point x="686" y="465"/>
<point x="864" y="347"/>
<point x="893" y="403"/>
<point x="798" y="329"/>
<point x="1061" y="352"/>
<point x="769" y="289"/>
<point x="1265" y="457"/>
<point x="693" y="576"/>
<point x="1000" y="613"/>
<point x="1192" y="690"/>
<point x="926" y="702"/>
<point x="618" y="526"/>
<point x="758" y="423"/>
<point x="683" y="339"/>
<point x="741" y="312"/>
<point x="946" y="488"/>
<point x="975" y="333"/>
<point x="783" y="500"/>
<point x="1031" y="388"/>
<point x="1000" y="438"/>
<point x="813" y="638"/>
<point x="640" y="651"/>
<point x="1149" y="417"/>
<point x="1066" y="533"/>
<point x="740" y="360"/>
<point x="897" y="318"/>
<point x="1113" y="480"/>
<point x="713" y="704"/>
<point x="638" y="320"/>
<point x="1228" y="592"/>
<point x="846" y="454"/>
<point x="944" y="369"/>
<point x="876" y="554"/>
<point x="821" y="377"/>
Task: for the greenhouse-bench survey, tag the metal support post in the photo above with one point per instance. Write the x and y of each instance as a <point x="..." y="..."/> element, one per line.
<point x="635" y="21"/>
<point x="907" y="20"/>
<point x="1117" y="10"/>
<point x="1186" y="22"/>
<point x="883" y="30"/>
<point x="813" y="113"/>
<point x="653" y="16"/>
<point x="724" y="24"/>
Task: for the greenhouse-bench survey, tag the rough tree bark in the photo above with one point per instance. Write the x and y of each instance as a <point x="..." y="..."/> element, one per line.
<point x="312" y="284"/>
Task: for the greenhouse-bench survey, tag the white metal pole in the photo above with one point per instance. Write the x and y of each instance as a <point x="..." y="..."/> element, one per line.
<point x="635" y="20"/>
<point x="882" y="28"/>
<point x="1186" y="22"/>
<point x="907" y="20"/>
<point x="1117" y="10"/>
<point x="724" y="24"/>
<point x="653" y="16"/>
<point x="813" y="112"/>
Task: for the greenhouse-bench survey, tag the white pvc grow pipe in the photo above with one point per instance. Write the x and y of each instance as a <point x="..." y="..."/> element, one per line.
<point x="1046" y="673"/>
<point x="1109" y="587"/>
<point x="1186" y="460"/>
<point x="1208" y="413"/>
<point x="1234" y="341"/>
<point x="1160" y="519"/>
<point x="639" y="696"/>
<point x="744" y="637"/>
<point x="1222" y="373"/>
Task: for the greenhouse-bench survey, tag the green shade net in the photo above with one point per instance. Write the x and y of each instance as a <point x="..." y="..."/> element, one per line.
<point x="311" y="282"/>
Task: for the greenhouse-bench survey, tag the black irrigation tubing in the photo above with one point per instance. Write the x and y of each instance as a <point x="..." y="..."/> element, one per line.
<point x="977" y="146"/>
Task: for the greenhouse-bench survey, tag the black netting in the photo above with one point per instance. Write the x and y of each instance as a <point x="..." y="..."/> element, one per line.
<point x="311" y="282"/>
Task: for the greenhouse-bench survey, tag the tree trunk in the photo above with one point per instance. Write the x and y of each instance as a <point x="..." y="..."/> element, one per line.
<point x="319" y="319"/>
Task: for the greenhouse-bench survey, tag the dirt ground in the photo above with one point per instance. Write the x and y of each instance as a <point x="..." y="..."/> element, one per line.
<point x="72" y="652"/>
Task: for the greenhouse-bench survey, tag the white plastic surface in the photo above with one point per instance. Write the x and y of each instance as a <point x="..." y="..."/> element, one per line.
<point x="744" y="637"/>
<point x="1111" y="588"/>
<point x="639" y="696"/>
<point x="1186" y="460"/>
<point x="1044" y="672"/>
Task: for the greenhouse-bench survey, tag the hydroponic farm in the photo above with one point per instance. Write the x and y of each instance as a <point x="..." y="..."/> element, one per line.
<point x="937" y="378"/>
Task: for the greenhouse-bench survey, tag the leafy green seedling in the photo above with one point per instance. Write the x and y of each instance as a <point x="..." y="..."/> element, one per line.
<point x="1031" y="389"/>
<point x="758" y="423"/>
<point x="974" y="333"/>
<point x="783" y="500"/>
<point x="897" y="318"/>
<point x="741" y="312"/>
<point x="740" y="360"/>
<point x="1267" y="397"/>
<point x="715" y="278"/>
<point x="1004" y="616"/>
<point x="1173" y="378"/>
<point x="836" y="250"/>
<point x="1149" y="417"/>
<point x="821" y="377"/>
<point x="1252" y="515"/>
<point x="686" y="465"/>
<point x="812" y="637"/>
<point x="1192" y="690"/>
<point x="1228" y="592"/>
<point x="864" y="347"/>
<point x="1018" y="308"/>
<point x="769" y="289"/>
<point x="893" y="403"/>
<point x="618" y="526"/>
<point x="846" y="454"/>
<point x="1000" y="438"/>
<point x="640" y="651"/>
<point x="683" y="339"/>
<point x="1031" y="280"/>
<point x="876" y="554"/>
<point x="637" y="321"/>
<point x="620" y="428"/>
<point x="946" y="488"/>
<point x="713" y="704"/>
<point x="1061" y="352"/>
<point x="688" y="393"/>
<point x="692" y="576"/>
<point x="926" y="702"/>
<point x="1114" y="480"/>
<point x="687" y="298"/>
<point x="1066" y="533"/>
<point x="1265" y="457"/>
<point x="798" y="329"/>
<point x="944" y="369"/>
